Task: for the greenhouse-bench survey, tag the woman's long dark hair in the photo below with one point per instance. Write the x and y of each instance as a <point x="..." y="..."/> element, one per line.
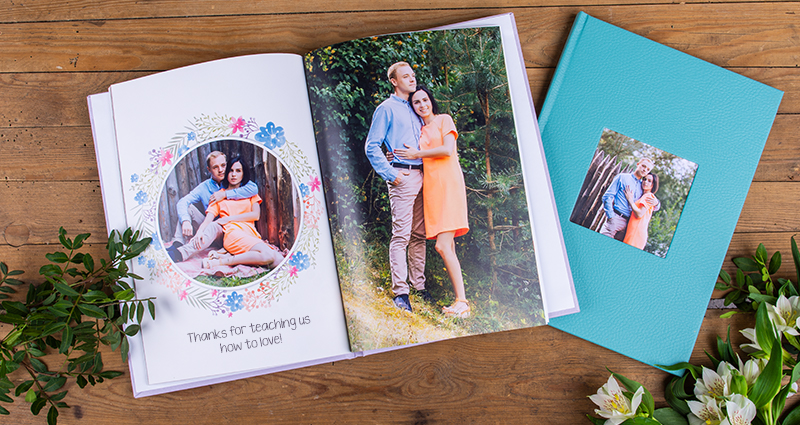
<point x="655" y="183"/>
<point x="434" y="105"/>
<point x="245" y="171"/>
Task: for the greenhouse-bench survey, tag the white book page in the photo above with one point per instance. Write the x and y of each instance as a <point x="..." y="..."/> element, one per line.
<point x="294" y="313"/>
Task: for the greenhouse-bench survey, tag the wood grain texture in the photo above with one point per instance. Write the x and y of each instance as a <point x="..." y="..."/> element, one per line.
<point x="55" y="53"/>
<point x="730" y="35"/>
<point x="523" y="376"/>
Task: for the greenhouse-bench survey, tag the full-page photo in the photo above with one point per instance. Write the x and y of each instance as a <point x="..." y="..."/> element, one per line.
<point x="424" y="186"/>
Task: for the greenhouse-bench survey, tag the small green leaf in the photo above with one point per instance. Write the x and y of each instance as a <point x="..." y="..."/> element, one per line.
<point x="55" y="384"/>
<point x="37" y="405"/>
<point x="152" y="308"/>
<point x="15" y="307"/>
<point x="30" y="396"/>
<point x="81" y="381"/>
<point x="746" y="264"/>
<point x="37" y="365"/>
<point x="88" y="263"/>
<point x="728" y="314"/>
<point x="66" y="340"/>
<point x="52" y="416"/>
<point x="66" y="290"/>
<point x="139" y="312"/>
<point x="21" y="388"/>
<point x="57" y="257"/>
<point x="725" y="277"/>
<point x="131" y="330"/>
<point x="761" y="254"/>
<point x="92" y="311"/>
<point x="775" y="263"/>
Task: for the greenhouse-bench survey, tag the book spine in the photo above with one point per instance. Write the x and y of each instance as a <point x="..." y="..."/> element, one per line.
<point x="561" y="68"/>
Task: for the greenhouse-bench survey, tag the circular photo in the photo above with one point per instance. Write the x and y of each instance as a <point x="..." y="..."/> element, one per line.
<point x="229" y="213"/>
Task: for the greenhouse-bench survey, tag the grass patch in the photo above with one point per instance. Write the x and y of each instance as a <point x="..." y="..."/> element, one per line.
<point x="229" y="281"/>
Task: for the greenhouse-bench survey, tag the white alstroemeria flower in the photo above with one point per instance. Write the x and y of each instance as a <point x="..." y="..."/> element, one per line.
<point x="707" y="413"/>
<point x="741" y="411"/>
<point x="715" y="384"/>
<point x="750" y="333"/>
<point x="751" y="369"/>
<point x="785" y="313"/>
<point x="614" y="406"/>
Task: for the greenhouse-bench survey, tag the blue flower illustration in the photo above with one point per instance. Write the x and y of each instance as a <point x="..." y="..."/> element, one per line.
<point x="142" y="260"/>
<point x="304" y="190"/>
<point x="271" y="136"/>
<point x="151" y="264"/>
<point x="140" y="197"/>
<point x="182" y="150"/>
<point x="191" y="136"/>
<point x="134" y="178"/>
<point x="300" y="260"/>
<point x="155" y="243"/>
<point x="235" y="302"/>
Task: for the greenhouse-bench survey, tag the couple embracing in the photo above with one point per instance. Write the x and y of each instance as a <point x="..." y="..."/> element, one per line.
<point x="426" y="186"/>
<point x="629" y="203"/>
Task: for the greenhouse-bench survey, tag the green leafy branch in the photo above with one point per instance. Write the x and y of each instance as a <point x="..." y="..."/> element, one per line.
<point x="754" y="284"/>
<point x="79" y="306"/>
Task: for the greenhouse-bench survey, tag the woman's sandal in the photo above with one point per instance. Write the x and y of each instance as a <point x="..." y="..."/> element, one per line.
<point x="460" y="309"/>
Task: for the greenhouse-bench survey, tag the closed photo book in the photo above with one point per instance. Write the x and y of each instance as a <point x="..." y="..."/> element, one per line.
<point x="365" y="196"/>
<point x="651" y="153"/>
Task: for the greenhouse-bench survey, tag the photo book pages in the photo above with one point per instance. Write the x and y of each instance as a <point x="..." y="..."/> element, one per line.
<point x="306" y="209"/>
<point x="651" y="153"/>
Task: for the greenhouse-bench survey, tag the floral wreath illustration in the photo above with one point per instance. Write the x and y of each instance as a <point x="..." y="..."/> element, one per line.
<point x="148" y="183"/>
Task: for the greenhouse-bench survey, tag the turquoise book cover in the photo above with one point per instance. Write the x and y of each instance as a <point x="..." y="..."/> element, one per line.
<point x="651" y="153"/>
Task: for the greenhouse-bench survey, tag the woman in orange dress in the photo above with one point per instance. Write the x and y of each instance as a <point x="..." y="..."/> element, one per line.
<point x="641" y="211"/>
<point x="241" y="242"/>
<point x="443" y="191"/>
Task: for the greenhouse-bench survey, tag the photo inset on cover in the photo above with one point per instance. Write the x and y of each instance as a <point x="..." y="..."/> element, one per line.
<point x="229" y="213"/>
<point x="634" y="192"/>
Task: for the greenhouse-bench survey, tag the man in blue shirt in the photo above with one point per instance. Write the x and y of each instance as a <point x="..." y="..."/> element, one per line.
<point x="190" y="215"/>
<point x="615" y="204"/>
<point x="395" y="124"/>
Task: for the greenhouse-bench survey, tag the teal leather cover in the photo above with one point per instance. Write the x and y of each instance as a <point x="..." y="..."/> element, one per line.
<point x="640" y="305"/>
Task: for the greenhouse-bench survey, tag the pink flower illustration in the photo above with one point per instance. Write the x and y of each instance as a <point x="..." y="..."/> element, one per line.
<point x="165" y="157"/>
<point x="314" y="183"/>
<point x="237" y="124"/>
<point x="183" y="295"/>
<point x="293" y="272"/>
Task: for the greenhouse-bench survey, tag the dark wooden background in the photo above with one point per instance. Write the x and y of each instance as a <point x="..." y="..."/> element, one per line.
<point x="54" y="53"/>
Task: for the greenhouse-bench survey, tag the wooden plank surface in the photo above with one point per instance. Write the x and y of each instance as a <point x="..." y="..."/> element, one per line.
<point x="55" y="53"/>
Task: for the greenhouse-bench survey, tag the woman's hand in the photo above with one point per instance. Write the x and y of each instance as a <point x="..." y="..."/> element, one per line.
<point x="629" y="195"/>
<point x="408" y="153"/>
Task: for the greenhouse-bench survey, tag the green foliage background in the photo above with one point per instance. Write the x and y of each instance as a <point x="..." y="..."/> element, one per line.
<point x="675" y="179"/>
<point x="465" y="70"/>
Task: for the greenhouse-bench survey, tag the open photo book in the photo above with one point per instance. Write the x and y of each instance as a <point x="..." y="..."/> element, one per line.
<point x="366" y="196"/>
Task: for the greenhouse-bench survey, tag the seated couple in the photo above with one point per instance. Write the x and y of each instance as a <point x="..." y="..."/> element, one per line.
<point x="232" y="196"/>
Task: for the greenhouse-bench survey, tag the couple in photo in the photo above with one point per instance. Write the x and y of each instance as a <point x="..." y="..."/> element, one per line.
<point x="629" y="203"/>
<point x="426" y="186"/>
<point x="223" y="209"/>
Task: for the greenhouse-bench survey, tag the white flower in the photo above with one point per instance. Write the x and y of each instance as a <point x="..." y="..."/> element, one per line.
<point x="785" y="314"/>
<point x="750" y="334"/>
<point x="707" y="413"/>
<point x="715" y="384"/>
<point x="614" y="406"/>
<point x="741" y="411"/>
<point x="751" y="369"/>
